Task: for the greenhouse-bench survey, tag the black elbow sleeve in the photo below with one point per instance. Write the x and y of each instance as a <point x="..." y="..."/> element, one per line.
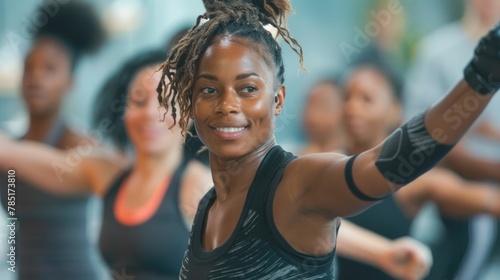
<point x="409" y="152"/>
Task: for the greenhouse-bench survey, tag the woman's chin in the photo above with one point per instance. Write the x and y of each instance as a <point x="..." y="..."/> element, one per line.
<point x="227" y="152"/>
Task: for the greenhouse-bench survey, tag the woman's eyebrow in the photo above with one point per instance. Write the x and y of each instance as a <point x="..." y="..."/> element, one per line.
<point x="207" y="76"/>
<point x="239" y="77"/>
<point x="246" y="75"/>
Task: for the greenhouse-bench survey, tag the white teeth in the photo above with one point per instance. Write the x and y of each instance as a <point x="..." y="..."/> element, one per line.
<point x="230" y="129"/>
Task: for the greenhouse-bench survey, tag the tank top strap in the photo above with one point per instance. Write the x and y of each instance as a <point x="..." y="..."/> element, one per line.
<point x="319" y="262"/>
<point x="116" y="184"/>
<point x="269" y="174"/>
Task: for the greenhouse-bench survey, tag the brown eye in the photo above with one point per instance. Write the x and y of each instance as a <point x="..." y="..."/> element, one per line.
<point x="249" y="89"/>
<point x="208" y="90"/>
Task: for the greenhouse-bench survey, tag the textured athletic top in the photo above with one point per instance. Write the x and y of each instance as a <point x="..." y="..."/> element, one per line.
<point x="151" y="250"/>
<point x="52" y="240"/>
<point x="255" y="250"/>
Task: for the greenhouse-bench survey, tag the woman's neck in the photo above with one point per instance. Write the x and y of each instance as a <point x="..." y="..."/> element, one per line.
<point x="357" y="147"/>
<point x="233" y="177"/>
<point x="150" y="166"/>
<point x="332" y="143"/>
<point x="40" y="126"/>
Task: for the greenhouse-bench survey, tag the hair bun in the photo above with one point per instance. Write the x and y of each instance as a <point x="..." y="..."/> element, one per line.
<point x="75" y="23"/>
<point x="278" y="10"/>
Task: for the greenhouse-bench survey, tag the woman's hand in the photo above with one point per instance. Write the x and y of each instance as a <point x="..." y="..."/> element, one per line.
<point x="483" y="72"/>
<point x="406" y="259"/>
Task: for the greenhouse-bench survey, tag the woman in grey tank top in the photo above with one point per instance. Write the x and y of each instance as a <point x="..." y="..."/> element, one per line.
<point x="60" y="249"/>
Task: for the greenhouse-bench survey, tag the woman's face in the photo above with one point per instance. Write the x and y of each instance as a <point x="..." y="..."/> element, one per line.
<point x="47" y="77"/>
<point x="323" y="112"/>
<point x="369" y="107"/>
<point x="487" y="10"/>
<point x="233" y="100"/>
<point x="143" y="114"/>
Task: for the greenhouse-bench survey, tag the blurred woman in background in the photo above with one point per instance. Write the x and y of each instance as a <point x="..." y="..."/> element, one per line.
<point x="51" y="240"/>
<point x="322" y="120"/>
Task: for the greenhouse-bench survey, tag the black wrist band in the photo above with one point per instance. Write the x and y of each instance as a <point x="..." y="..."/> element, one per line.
<point x="476" y="82"/>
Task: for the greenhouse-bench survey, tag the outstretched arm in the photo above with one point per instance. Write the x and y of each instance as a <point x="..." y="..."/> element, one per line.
<point x="403" y="258"/>
<point x="56" y="171"/>
<point x="333" y="185"/>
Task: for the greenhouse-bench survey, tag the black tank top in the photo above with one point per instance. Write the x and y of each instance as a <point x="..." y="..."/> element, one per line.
<point x="151" y="250"/>
<point x="52" y="240"/>
<point x="255" y="250"/>
<point x="384" y="218"/>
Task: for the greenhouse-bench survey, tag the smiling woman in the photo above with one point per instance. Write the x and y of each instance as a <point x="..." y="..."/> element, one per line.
<point x="233" y="99"/>
<point x="272" y="215"/>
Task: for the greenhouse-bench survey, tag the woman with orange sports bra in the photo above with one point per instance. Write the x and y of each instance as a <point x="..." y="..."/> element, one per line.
<point x="150" y="189"/>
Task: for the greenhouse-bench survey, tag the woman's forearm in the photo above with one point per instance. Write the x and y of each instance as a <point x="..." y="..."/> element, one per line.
<point x="357" y="243"/>
<point x="449" y="119"/>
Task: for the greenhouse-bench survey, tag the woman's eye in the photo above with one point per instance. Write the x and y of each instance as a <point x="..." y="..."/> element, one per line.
<point x="50" y="68"/>
<point x="249" y="89"/>
<point x="137" y="102"/>
<point x="208" y="90"/>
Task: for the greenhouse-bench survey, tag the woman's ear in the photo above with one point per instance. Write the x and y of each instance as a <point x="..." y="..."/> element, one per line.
<point x="279" y="100"/>
<point x="191" y="109"/>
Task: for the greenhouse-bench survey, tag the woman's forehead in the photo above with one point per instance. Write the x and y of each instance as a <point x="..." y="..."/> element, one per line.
<point x="145" y="80"/>
<point x="228" y="55"/>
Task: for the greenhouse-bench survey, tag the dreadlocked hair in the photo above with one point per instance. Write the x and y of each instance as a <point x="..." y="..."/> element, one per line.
<point x="238" y="19"/>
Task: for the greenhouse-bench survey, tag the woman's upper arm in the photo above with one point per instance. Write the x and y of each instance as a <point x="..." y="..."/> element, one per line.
<point x="51" y="169"/>
<point x="81" y="170"/>
<point x="319" y="183"/>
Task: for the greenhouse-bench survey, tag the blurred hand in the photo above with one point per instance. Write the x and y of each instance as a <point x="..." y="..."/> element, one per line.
<point x="483" y="72"/>
<point x="406" y="259"/>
